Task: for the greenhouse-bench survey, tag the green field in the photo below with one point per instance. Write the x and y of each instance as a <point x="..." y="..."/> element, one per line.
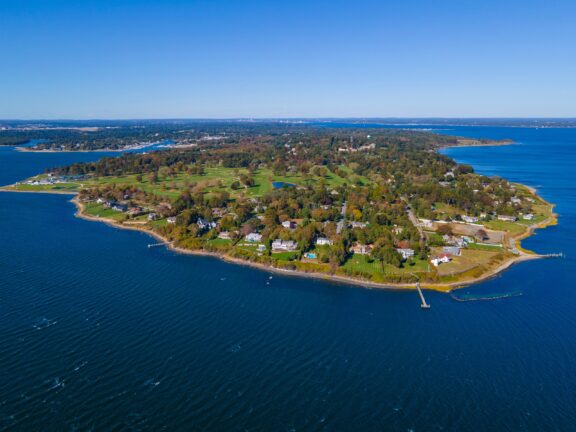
<point x="360" y="263"/>
<point x="93" y="209"/>
<point x="513" y="228"/>
<point x="214" y="179"/>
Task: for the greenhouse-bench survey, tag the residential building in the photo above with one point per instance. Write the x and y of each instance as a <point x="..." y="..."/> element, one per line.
<point x="406" y="253"/>
<point x="444" y="258"/>
<point x="469" y="219"/>
<point x="452" y="250"/>
<point x="289" y="224"/>
<point x="507" y="218"/>
<point x="283" y="245"/>
<point x="253" y="237"/>
<point x="361" y="249"/>
<point x="203" y="224"/>
<point x="224" y="235"/>
<point x="323" y="241"/>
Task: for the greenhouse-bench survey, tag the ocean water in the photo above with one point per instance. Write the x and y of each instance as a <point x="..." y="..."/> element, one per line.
<point x="98" y="332"/>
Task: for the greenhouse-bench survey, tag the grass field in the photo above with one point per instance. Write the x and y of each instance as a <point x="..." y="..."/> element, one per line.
<point x="513" y="228"/>
<point x="98" y="210"/>
<point x="215" y="179"/>
<point x="361" y="263"/>
<point x="284" y="256"/>
<point x="469" y="259"/>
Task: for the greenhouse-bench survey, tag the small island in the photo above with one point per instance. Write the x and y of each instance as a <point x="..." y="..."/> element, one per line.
<point x="373" y="207"/>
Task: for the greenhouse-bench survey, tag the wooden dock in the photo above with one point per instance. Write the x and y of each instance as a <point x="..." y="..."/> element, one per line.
<point x="151" y="245"/>
<point x="555" y="255"/>
<point x="424" y="305"/>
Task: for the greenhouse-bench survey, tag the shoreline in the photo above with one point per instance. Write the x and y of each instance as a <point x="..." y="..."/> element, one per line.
<point x="439" y="287"/>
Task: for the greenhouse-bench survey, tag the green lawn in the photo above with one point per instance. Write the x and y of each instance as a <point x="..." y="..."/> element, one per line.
<point x="94" y="209"/>
<point x="60" y="187"/>
<point x="219" y="242"/>
<point x="284" y="256"/>
<point x="360" y="263"/>
<point x="214" y="179"/>
<point x="513" y="228"/>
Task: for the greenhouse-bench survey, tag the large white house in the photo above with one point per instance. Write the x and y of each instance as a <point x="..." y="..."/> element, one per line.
<point x="283" y="245"/>
<point x="253" y="237"/>
<point x="406" y="253"/>
<point x="323" y="241"/>
<point x="436" y="261"/>
<point x="469" y="219"/>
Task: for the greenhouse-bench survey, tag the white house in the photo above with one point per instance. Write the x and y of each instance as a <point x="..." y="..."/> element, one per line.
<point x="203" y="224"/>
<point x="253" y="237"/>
<point x="469" y="219"/>
<point x="289" y="224"/>
<point x="323" y="241"/>
<point x="436" y="261"/>
<point x="359" y="224"/>
<point x="406" y="253"/>
<point x="152" y="216"/>
<point x="528" y="217"/>
<point x="224" y="235"/>
<point x="507" y="218"/>
<point x="361" y="249"/>
<point x="171" y="220"/>
<point x="283" y="245"/>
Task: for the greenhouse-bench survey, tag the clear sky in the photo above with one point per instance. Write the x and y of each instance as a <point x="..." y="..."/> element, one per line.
<point x="287" y="58"/>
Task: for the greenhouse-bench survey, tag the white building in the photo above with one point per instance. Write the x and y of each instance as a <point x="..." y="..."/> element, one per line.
<point x="283" y="245"/>
<point x="171" y="220"/>
<point x="469" y="219"/>
<point x="323" y="241"/>
<point x="254" y="237"/>
<point x="439" y="260"/>
<point x="406" y="253"/>
<point x="203" y="224"/>
<point x="507" y="218"/>
<point x="289" y="224"/>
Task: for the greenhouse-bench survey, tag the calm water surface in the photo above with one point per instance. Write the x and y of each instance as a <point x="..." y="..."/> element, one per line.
<point x="97" y="332"/>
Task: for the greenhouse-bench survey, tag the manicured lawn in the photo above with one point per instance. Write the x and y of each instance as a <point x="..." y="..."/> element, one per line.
<point x="94" y="209"/>
<point x="60" y="187"/>
<point x="214" y="179"/>
<point x="219" y="242"/>
<point x="360" y="263"/>
<point x="470" y="258"/>
<point x="513" y="228"/>
<point x="284" y="256"/>
<point x="484" y="247"/>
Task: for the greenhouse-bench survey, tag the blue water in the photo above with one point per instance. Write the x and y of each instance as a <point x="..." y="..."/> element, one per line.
<point x="280" y="185"/>
<point x="98" y="332"/>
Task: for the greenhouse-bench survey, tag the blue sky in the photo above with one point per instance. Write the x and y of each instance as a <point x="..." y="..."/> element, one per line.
<point x="315" y="58"/>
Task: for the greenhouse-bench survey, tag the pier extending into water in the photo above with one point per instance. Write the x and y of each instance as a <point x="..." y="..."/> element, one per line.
<point x="424" y="305"/>
<point x="151" y="245"/>
<point x="555" y="255"/>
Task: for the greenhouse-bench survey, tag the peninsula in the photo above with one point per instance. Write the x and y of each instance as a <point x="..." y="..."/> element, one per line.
<point x="374" y="207"/>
